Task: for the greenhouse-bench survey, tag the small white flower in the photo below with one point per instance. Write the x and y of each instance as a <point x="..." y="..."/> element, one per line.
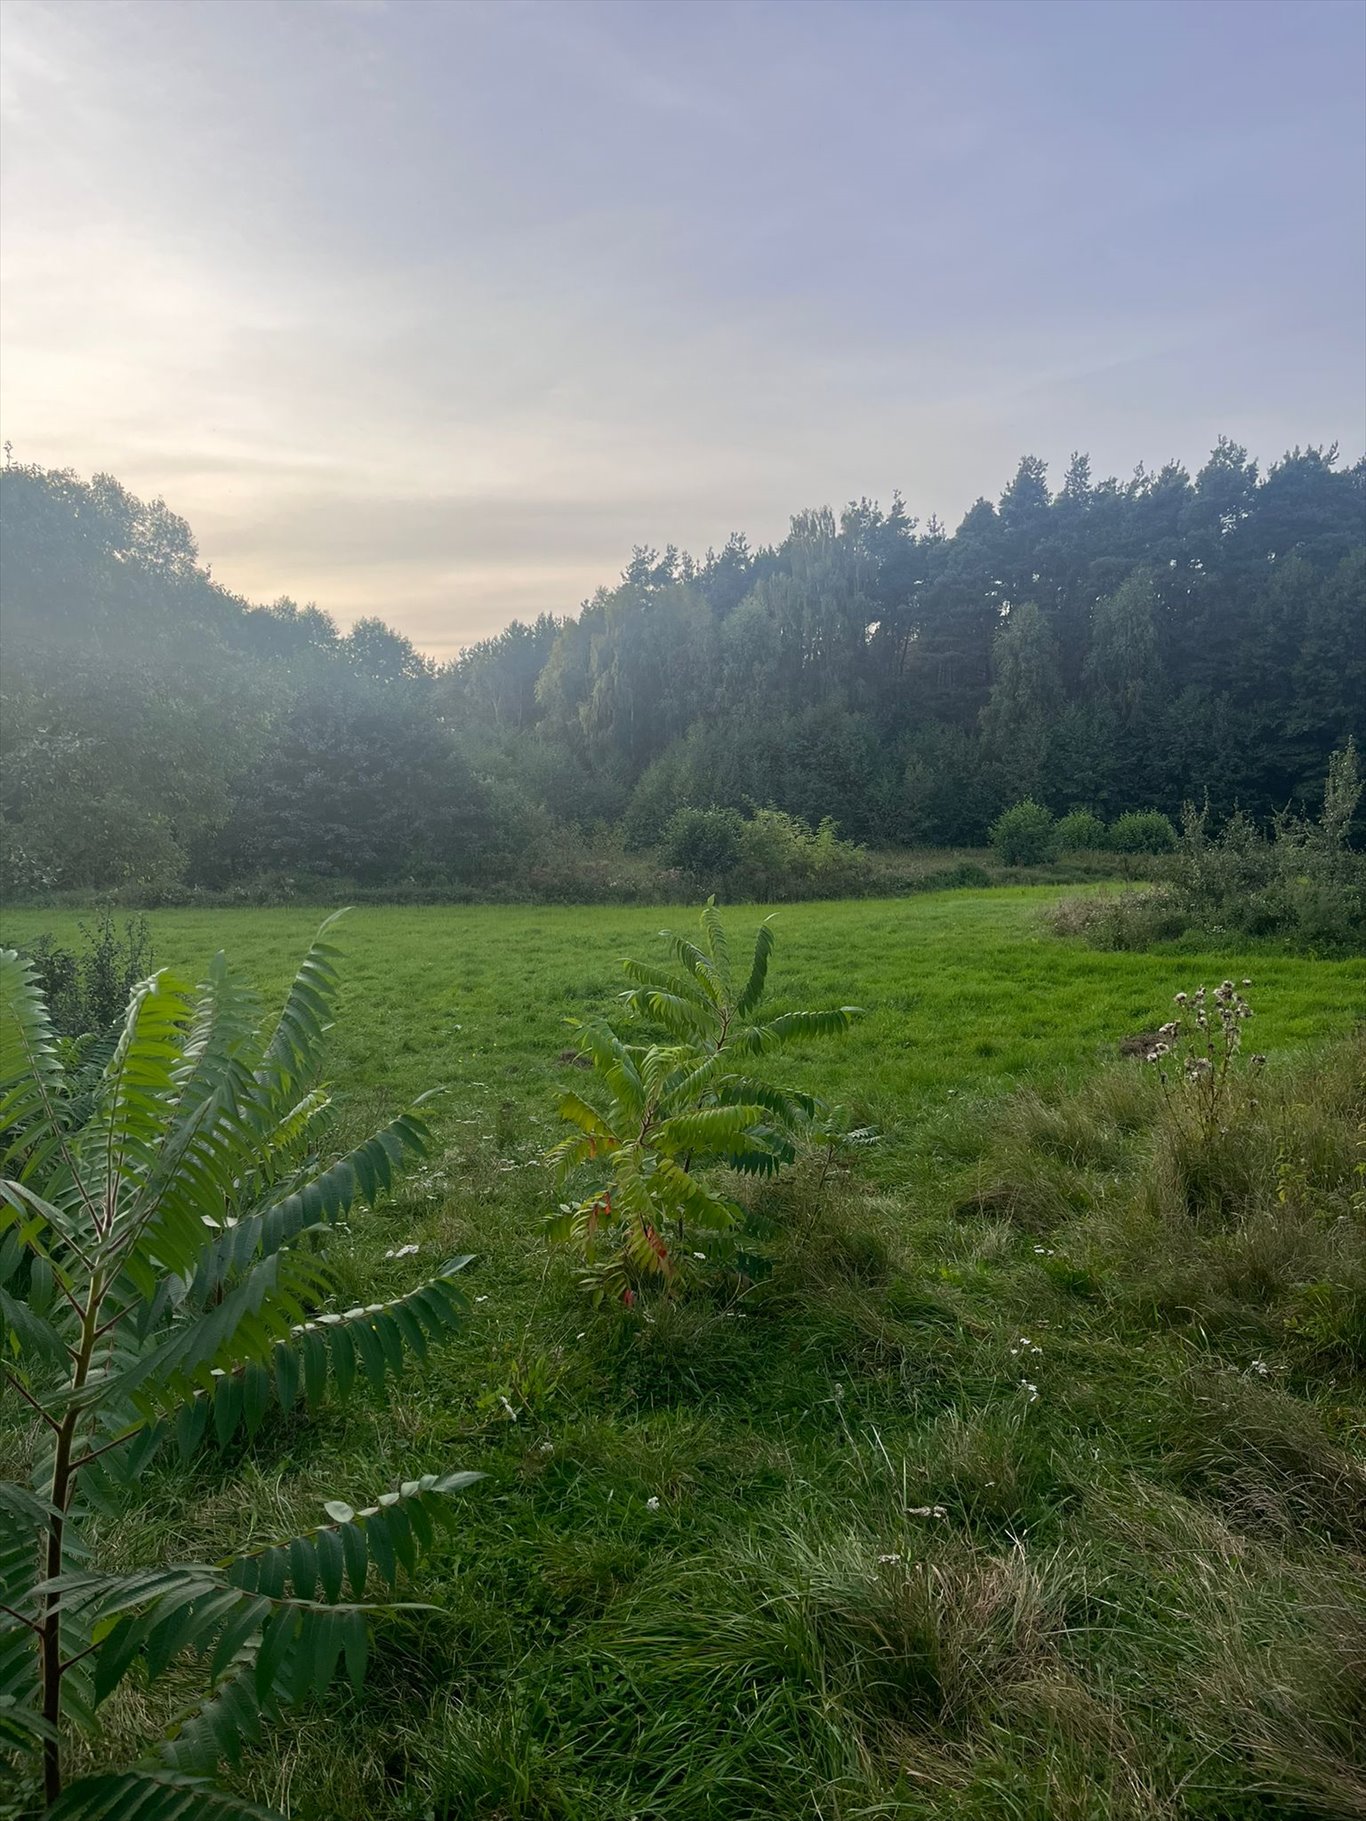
<point x="929" y="1511"/>
<point x="512" y="1414"/>
<point x="1260" y="1367"/>
<point x="652" y="1504"/>
<point x="582" y="1334"/>
<point x="481" y="1299"/>
<point x="1031" y="1391"/>
<point x="546" y="1448"/>
<point x="402" y="1251"/>
<point x="885" y="1559"/>
<point x="701" y="1255"/>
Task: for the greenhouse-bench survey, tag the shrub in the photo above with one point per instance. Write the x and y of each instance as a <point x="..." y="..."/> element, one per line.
<point x="706" y="844"/>
<point x="88" y="991"/>
<point x="1303" y="884"/>
<point x="783" y="857"/>
<point x="1023" y="835"/>
<point x="1079" y="831"/>
<point x="161" y="1276"/>
<point x="675" y="1107"/>
<point x="1142" y="831"/>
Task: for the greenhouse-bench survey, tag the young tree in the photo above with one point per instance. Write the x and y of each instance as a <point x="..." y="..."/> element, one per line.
<point x="162" y="1279"/>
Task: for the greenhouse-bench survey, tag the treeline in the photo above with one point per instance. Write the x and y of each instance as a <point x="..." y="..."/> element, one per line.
<point x="1111" y="646"/>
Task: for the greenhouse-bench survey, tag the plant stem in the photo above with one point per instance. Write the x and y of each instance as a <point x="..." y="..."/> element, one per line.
<point x="59" y="1497"/>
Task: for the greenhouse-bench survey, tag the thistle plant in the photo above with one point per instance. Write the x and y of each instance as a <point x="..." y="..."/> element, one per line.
<point x="1195" y="1055"/>
<point x="163" y="1276"/>
<point x="675" y="1107"/>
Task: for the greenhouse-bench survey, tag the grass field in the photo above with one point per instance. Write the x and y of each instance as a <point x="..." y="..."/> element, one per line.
<point x="1028" y="1486"/>
<point x="964" y="993"/>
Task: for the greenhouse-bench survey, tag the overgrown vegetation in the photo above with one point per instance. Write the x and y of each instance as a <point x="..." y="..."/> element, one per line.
<point x="86" y="988"/>
<point x="765" y="856"/>
<point x="163" y="1279"/>
<point x="1025" y="1484"/>
<point x="1116" y="645"/>
<point x="1304" y="884"/>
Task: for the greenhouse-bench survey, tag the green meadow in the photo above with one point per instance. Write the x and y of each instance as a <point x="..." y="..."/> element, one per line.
<point x="1029" y="1485"/>
<point x="964" y="993"/>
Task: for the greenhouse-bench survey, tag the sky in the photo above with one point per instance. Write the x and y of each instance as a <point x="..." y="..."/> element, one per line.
<point x="436" y="308"/>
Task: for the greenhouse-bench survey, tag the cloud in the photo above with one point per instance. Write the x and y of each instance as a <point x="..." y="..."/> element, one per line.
<point x="436" y="311"/>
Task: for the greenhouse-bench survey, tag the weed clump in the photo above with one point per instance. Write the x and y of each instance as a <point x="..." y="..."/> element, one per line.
<point x="1302" y="883"/>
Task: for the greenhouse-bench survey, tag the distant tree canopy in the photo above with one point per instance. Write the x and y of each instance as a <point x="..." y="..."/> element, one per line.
<point x="1110" y="646"/>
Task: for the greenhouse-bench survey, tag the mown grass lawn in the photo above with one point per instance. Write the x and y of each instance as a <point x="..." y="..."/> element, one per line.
<point x="957" y="1517"/>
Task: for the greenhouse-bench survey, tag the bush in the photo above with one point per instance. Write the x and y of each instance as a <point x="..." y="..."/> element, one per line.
<point x="1023" y="835"/>
<point x="783" y="857"/>
<point x="707" y="844"/>
<point x="1303" y="885"/>
<point x="1142" y="831"/>
<point x="88" y="991"/>
<point x="1080" y="832"/>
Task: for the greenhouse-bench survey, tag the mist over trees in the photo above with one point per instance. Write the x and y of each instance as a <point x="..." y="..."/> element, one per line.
<point x="1107" y="645"/>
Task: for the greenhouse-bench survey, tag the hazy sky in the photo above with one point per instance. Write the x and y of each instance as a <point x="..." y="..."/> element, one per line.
<point x="434" y="309"/>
